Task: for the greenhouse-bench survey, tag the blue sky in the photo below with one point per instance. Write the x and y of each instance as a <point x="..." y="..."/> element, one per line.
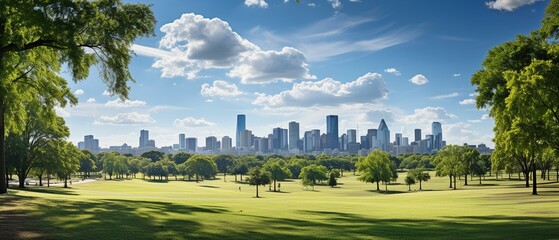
<point x="276" y="61"/>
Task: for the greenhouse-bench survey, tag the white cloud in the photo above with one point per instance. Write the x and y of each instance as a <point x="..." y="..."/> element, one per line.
<point x="456" y="75"/>
<point x="79" y="92"/>
<point x="190" y="122"/>
<point x="132" y="118"/>
<point x="444" y="96"/>
<point x="473" y="94"/>
<point x="258" y="3"/>
<point x="467" y="101"/>
<point x="428" y="115"/>
<point x="118" y="103"/>
<point x="335" y="3"/>
<point x="327" y="92"/>
<point x="106" y="93"/>
<point x="311" y="4"/>
<point x="209" y="100"/>
<point x="484" y="116"/>
<point x="91" y="100"/>
<point x="272" y="66"/>
<point x="220" y="88"/>
<point x="393" y="71"/>
<point x="61" y="112"/>
<point x="509" y="5"/>
<point x="150" y="51"/>
<point x="419" y="79"/>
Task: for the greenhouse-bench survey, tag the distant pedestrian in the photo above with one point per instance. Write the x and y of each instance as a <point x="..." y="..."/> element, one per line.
<point x="239" y="188"/>
<point x="279" y="186"/>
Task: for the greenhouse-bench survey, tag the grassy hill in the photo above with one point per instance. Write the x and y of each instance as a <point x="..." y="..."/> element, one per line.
<point x="138" y="209"/>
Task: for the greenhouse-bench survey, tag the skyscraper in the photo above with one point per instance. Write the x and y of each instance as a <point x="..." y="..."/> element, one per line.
<point x="372" y="138"/>
<point x="277" y="138"/>
<point x="437" y="132"/>
<point x="398" y="139"/>
<point x="351" y="135"/>
<point x="191" y="144"/>
<point x="226" y="143"/>
<point x="293" y="135"/>
<point x="182" y="141"/>
<point x="89" y="143"/>
<point x="383" y="136"/>
<point x="417" y="135"/>
<point x="332" y="135"/>
<point x="241" y="126"/>
<point x="144" y="138"/>
<point x="211" y="143"/>
<point x="284" y="137"/>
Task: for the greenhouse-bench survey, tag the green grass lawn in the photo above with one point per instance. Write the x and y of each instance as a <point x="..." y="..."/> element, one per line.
<point x="138" y="209"/>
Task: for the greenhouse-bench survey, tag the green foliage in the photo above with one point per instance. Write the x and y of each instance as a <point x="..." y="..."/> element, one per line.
<point x="409" y="180"/>
<point x="449" y="162"/>
<point x="375" y="168"/>
<point x="420" y="175"/>
<point x="313" y="173"/>
<point x="332" y="182"/>
<point x="277" y="172"/>
<point x="258" y="177"/>
<point x="181" y="157"/>
<point x="153" y="155"/>
<point x="223" y="162"/>
<point x="202" y="166"/>
<point x="87" y="163"/>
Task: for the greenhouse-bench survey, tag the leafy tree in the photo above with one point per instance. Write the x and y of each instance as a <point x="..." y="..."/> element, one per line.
<point x="470" y="157"/>
<point x="410" y="180"/>
<point x="153" y="155"/>
<point x="312" y="173"/>
<point x="39" y="37"/>
<point x="87" y="163"/>
<point x="375" y="168"/>
<point x="223" y="161"/>
<point x="449" y="162"/>
<point x="69" y="162"/>
<point x="420" y="175"/>
<point x="40" y="126"/>
<point x="258" y="177"/>
<point x="479" y="169"/>
<point x="171" y="167"/>
<point x="181" y="157"/>
<point x="109" y="163"/>
<point x="277" y="172"/>
<point x="295" y="165"/>
<point x="332" y="182"/>
<point x="136" y="165"/>
<point x="240" y="168"/>
<point x="202" y="166"/>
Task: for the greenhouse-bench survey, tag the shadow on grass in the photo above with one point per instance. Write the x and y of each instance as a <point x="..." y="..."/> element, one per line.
<point x="207" y="186"/>
<point x="49" y="190"/>
<point x="157" y="181"/>
<point x="388" y="192"/>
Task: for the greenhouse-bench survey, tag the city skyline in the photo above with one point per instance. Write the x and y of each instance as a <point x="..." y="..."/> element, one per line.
<point x="360" y="60"/>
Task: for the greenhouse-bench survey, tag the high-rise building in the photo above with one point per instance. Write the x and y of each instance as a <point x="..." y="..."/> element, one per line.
<point x="332" y="135"/>
<point x="277" y="138"/>
<point x="284" y="139"/>
<point x="144" y="138"/>
<point x="405" y="141"/>
<point x="151" y="143"/>
<point x="307" y="142"/>
<point x="241" y="126"/>
<point x="417" y="135"/>
<point x="226" y="143"/>
<point x="343" y="142"/>
<point x="316" y="145"/>
<point x="351" y="135"/>
<point x="293" y="135"/>
<point x="372" y="138"/>
<point x="211" y="143"/>
<point x="182" y="141"/>
<point x="383" y="136"/>
<point x="430" y="142"/>
<point x="191" y="144"/>
<point x="398" y="139"/>
<point x="89" y="143"/>
<point x="246" y="139"/>
<point x="437" y="132"/>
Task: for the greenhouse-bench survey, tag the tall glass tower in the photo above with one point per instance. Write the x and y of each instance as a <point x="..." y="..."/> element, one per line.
<point x="383" y="136"/>
<point x="437" y="132"/>
<point x="144" y="138"/>
<point x="332" y="140"/>
<point x="293" y="135"/>
<point x="241" y="126"/>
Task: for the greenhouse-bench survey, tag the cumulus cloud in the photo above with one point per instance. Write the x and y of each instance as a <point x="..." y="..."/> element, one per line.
<point x="467" y="102"/>
<point x="199" y="43"/>
<point x="61" y="112"/>
<point x="118" y="103"/>
<point x="79" y="92"/>
<point x="484" y="116"/>
<point x="428" y="115"/>
<point x="456" y="75"/>
<point x="419" y="79"/>
<point x="132" y="118"/>
<point x="106" y="93"/>
<point x="509" y="5"/>
<point x="335" y="3"/>
<point x="220" y="88"/>
<point x="272" y="66"/>
<point x="91" y="100"/>
<point x="444" y="96"/>
<point x="190" y="122"/>
<point x="258" y="3"/>
<point x="327" y="92"/>
<point x="393" y="71"/>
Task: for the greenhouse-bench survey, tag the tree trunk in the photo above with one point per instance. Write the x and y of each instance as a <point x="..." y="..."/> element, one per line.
<point x="409" y="187"/>
<point x="41" y="180"/>
<point x="257" y="190"/>
<point x="454" y="182"/>
<point x="420" y="185"/>
<point x="21" y="180"/>
<point x="466" y="179"/>
<point x="224" y="176"/>
<point x="479" y="179"/>
<point x="235" y="177"/>
<point x="527" y="177"/>
<point x="3" y="178"/>
<point x="274" y="185"/>
<point x="197" y="178"/>
<point x="450" y="177"/>
<point x="534" y="179"/>
<point x="48" y="179"/>
<point x="378" y="189"/>
<point x="65" y="182"/>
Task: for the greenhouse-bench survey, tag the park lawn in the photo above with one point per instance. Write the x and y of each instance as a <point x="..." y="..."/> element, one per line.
<point x="138" y="209"/>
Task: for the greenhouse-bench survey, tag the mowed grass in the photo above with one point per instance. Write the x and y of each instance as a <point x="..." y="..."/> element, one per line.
<point x="214" y="209"/>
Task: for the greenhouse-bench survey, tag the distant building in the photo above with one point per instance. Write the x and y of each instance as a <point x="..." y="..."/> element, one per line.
<point x="383" y="136"/>
<point x="226" y="143"/>
<point x="398" y="139"/>
<point x="191" y="144"/>
<point x="437" y="136"/>
<point x="89" y="143"/>
<point x="211" y="143"/>
<point x="241" y="126"/>
<point x="417" y="132"/>
<point x="144" y="138"/>
<point x="182" y="141"/>
<point x="332" y="135"/>
<point x="405" y="141"/>
<point x="351" y="135"/>
<point x="293" y="135"/>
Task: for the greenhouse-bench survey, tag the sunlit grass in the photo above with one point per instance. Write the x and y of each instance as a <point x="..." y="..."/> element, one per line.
<point x="138" y="209"/>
